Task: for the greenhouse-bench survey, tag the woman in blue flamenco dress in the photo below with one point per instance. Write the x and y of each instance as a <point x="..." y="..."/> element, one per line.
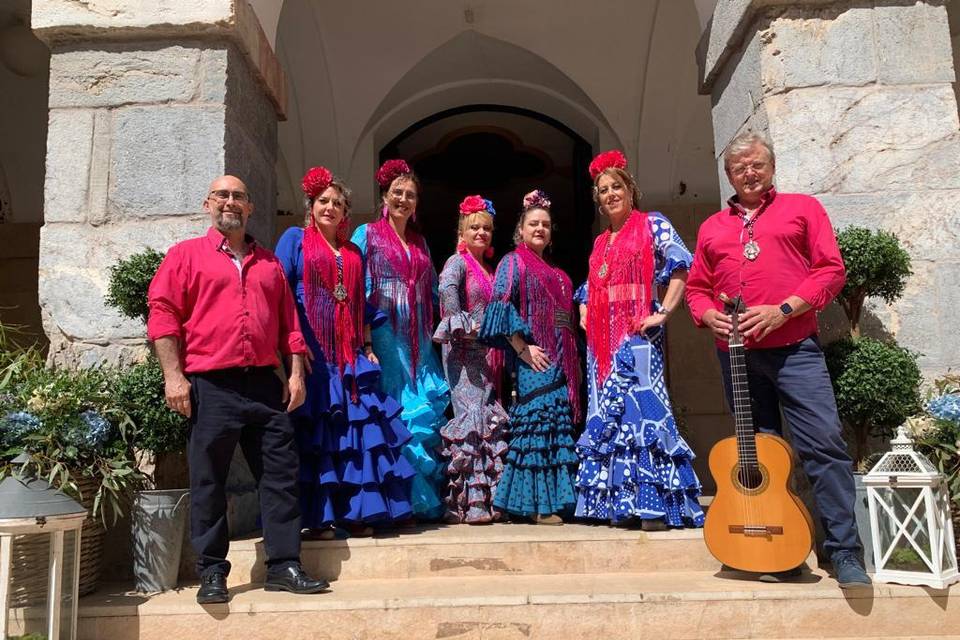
<point x="349" y="432"/>
<point x="634" y="465"/>
<point x="401" y="283"/>
<point x="530" y="317"/>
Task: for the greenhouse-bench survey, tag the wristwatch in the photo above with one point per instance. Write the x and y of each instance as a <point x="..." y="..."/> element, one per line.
<point x="786" y="309"/>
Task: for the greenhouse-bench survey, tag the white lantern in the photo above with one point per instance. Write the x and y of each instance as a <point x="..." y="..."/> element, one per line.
<point x="32" y="512"/>
<point x="910" y="518"/>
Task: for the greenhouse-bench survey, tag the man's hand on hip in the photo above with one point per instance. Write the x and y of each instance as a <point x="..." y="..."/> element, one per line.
<point x="758" y="322"/>
<point x="176" y="389"/>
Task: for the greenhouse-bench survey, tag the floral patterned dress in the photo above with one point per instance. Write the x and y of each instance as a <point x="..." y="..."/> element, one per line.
<point x="475" y="441"/>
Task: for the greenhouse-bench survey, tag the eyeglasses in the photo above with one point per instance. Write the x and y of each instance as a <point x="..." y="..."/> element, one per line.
<point x="741" y="169"/>
<point x="222" y="195"/>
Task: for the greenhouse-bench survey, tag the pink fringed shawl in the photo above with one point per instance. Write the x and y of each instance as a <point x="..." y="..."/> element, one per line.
<point x="541" y="313"/>
<point x="619" y="300"/>
<point x="399" y="278"/>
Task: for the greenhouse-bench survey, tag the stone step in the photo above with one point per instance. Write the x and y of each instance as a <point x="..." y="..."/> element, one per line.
<point x="677" y="605"/>
<point x="500" y="549"/>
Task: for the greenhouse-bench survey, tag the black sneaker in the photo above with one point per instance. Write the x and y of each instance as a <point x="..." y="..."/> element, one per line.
<point x="849" y="570"/>
<point x="213" y="588"/>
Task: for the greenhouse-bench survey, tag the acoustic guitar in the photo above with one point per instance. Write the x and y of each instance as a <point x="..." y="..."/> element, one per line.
<point x="755" y="522"/>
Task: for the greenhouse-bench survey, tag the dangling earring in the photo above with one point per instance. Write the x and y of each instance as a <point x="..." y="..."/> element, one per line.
<point x="385" y="211"/>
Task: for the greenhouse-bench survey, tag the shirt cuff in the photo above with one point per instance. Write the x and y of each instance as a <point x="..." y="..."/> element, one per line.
<point x="159" y="327"/>
<point x="697" y="309"/>
<point x="814" y="295"/>
<point x="294" y="344"/>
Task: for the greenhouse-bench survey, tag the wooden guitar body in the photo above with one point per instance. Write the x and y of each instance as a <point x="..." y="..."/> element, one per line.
<point x="761" y="527"/>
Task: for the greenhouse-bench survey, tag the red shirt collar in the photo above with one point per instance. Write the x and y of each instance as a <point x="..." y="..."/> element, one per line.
<point x="737" y="209"/>
<point x="218" y="240"/>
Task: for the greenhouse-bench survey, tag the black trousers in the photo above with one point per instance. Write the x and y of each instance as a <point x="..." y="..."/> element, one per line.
<point x="242" y="406"/>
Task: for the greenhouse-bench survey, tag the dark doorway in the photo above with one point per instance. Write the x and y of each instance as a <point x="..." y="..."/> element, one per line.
<point x="500" y="153"/>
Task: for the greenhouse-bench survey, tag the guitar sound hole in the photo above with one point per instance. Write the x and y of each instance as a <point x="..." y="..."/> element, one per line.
<point x="750" y="477"/>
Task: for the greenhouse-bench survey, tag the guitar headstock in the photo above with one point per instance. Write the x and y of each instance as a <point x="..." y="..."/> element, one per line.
<point x="733" y="307"/>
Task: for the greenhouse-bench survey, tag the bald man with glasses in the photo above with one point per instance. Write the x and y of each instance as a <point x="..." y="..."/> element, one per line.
<point x="221" y="317"/>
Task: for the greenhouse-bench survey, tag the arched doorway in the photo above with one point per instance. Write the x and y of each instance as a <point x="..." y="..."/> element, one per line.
<point x="501" y="153"/>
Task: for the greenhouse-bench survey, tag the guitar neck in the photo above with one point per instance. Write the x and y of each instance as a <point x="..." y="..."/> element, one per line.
<point x="742" y="409"/>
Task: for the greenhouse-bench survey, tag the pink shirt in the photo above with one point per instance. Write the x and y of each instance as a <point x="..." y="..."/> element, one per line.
<point x="224" y="316"/>
<point x="798" y="256"/>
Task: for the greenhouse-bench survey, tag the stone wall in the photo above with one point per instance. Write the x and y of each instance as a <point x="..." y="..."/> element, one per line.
<point x="858" y="101"/>
<point x="136" y="134"/>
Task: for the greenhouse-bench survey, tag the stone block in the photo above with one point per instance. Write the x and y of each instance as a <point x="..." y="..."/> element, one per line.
<point x="926" y="222"/>
<point x="924" y="319"/>
<point x="213" y="75"/>
<point x="808" y="48"/>
<point x="69" y="144"/>
<point x="863" y="140"/>
<point x="737" y="94"/>
<point x="913" y="44"/>
<point x="50" y="15"/>
<point x="74" y="274"/>
<point x="118" y="75"/>
<point x="164" y="159"/>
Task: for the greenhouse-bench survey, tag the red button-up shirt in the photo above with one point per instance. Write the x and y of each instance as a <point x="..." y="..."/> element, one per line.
<point x="798" y="256"/>
<point x="223" y="316"/>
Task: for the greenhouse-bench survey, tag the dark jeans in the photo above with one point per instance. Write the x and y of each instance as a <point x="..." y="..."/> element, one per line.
<point x="245" y="406"/>
<point x="795" y="379"/>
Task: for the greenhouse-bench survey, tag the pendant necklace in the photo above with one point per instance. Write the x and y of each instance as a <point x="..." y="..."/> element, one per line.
<point x="751" y="250"/>
<point x="602" y="271"/>
<point x="340" y="291"/>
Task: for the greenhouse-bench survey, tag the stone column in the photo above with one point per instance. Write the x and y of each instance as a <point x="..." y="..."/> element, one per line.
<point x="857" y="99"/>
<point x="149" y="101"/>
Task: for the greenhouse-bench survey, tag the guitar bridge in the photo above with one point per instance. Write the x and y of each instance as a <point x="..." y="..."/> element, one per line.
<point x="758" y="530"/>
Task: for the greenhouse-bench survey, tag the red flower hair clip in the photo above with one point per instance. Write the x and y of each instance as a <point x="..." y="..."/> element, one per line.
<point x="474" y="204"/>
<point x="607" y="160"/>
<point x="316" y="181"/>
<point x="390" y="170"/>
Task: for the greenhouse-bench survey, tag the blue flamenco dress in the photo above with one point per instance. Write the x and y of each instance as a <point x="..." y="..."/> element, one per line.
<point x="417" y="383"/>
<point x="538" y="474"/>
<point x="349" y="432"/>
<point x="634" y="463"/>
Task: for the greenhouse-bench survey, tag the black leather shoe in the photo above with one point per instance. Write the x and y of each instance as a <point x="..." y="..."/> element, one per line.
<point x="213" y="589"/>
<point x="295" y="580"/>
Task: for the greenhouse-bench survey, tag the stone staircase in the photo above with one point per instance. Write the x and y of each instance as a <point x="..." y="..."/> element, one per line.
<point x="521" y="581"/>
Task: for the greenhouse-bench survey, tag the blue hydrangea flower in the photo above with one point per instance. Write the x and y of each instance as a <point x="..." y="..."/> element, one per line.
<point x="490" y="208"/>
<point x="946" y="407"/>
<point x="17" y="424"/>
<point x="97" y="433"/>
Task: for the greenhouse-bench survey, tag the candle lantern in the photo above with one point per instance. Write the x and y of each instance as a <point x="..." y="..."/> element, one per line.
<point x="909" y="507"/>
<point x="32" y="511"/>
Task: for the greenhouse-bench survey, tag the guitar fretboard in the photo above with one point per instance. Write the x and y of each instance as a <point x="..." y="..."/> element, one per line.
<point x="742" y="409"/>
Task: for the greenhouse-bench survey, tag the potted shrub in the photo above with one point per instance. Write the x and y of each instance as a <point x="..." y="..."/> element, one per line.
<point x="77" y="439"/>
<point x="876" y="382"/>
<point x="159" y="437"/>
<point x="936" y="433"/>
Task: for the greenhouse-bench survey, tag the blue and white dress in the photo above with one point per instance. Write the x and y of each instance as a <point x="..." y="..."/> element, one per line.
<point x="633" y="461"/>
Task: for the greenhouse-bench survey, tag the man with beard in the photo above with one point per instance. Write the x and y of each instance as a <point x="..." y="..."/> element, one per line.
<point x="220" y="311"/>
<point x="778" y="251"/>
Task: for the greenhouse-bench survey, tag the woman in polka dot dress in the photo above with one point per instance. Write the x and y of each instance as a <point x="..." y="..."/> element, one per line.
<point x="634" y="465"/>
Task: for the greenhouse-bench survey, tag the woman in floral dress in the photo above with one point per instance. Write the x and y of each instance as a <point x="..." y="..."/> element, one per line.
<point x="475" y="440"/>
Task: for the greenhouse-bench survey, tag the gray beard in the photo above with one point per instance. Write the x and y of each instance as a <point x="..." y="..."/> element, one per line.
<point x="228" y="225"/>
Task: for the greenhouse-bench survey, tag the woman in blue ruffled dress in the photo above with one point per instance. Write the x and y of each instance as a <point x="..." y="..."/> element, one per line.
<point x="401" y="283"/>
<point x="531" y="318"/>
<point x="475" y="441"/>
<point x="634" y="465"/>
<point x="349" y="432"/>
